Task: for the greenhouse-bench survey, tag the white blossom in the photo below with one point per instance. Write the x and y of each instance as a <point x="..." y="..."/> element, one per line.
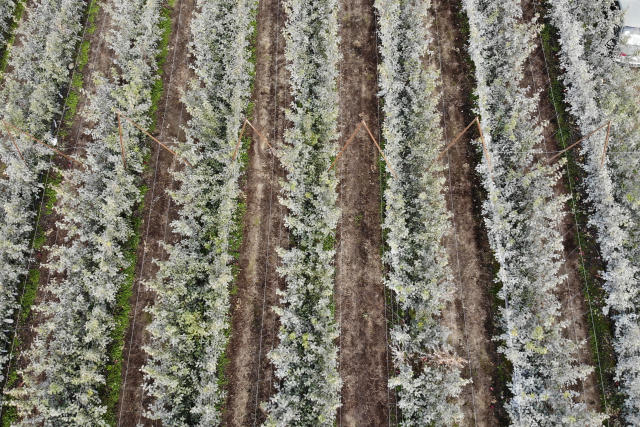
<point x="521" y="214"/>
<point x="68" y="358"/>
<point x="600" y="90"/>
<point x="416" y="219"/>
<point x="190" y="317"/>
<point x="29" y="101"/>
<point x="308" y="391"/>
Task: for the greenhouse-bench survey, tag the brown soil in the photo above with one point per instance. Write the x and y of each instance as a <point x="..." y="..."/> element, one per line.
<point x="574" y="307"/>
<point x="469" y="317"/>
<point x="158" y="212"/>
<point x="254" y="324"/>
<point x="359" y="292"/>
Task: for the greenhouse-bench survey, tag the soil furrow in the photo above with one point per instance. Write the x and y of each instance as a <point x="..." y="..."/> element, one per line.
<point x="359" y="292"/>
<point x="470" y="315"/>
<point x="254" y="325"/>
<point x="157" y="213"/>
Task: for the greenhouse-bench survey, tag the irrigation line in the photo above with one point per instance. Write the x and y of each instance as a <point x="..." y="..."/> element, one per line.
<point x="339" y="257"/>
<point x="271" y="179"/>
<point x="455" y="228"/>
<point x="42" y="202"/>
<point x="151" y="201"/>
<point x="382" y="248"/>
<point x="575" y="218"/>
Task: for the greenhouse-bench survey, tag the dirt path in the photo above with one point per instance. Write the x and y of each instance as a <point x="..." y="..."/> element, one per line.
<point x="470" y="316"/>
<point x="574" y="307"/>
<point x="359" y="293"/>
<point x="254" y="324"/>
<point x="158" y="212"/>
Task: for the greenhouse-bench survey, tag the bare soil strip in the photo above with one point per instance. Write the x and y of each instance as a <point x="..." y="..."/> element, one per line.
<point x="254" y="325"/>
<point x="158" y="212"/>
<point x="470" y="315"/>
<point x="359" y="292"/>
<point x="571" y="294"/>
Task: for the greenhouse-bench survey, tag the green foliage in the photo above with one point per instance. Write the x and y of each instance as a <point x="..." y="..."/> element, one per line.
<point x="113" y="385"/>
<point x="4" y="52"/>
<point x="157" y="90"/>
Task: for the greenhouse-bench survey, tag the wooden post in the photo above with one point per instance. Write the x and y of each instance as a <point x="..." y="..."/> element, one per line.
<point x="13" y="141"/>
<point x="33" y="138"/>
<point x="451" y="144"/>
<point x="344" y="147"/>
<point x="606" y="144"/>
<point x="575" y="143"/>
<point x="484" y="146"/>
<point x="235" y="152"/>
<point x="151" y="136"/>
<point x="457" y="138"/>
<point x="379" y="149"/>
<point x="124" y="161"/>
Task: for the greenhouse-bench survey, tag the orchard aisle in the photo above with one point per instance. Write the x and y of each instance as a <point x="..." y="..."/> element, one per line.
<point x="253" y="322"/>
<point x="359" y="292"/>
<point x="157" y="212"/>
<point x="470" y="316"/>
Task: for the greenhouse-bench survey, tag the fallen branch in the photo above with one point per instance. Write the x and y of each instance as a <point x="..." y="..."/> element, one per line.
<point x="607" y="125"/>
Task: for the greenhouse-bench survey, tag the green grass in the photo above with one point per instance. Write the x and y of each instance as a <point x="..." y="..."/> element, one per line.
<point x="111" y="392"/>
<point x="504" y="368"/>
<point x="600" y="326"/>
<point x="29" y="297"/>
<point x="17" y="16"/>
<point x="161" y="58"/>
<point x="82" y="59"/>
